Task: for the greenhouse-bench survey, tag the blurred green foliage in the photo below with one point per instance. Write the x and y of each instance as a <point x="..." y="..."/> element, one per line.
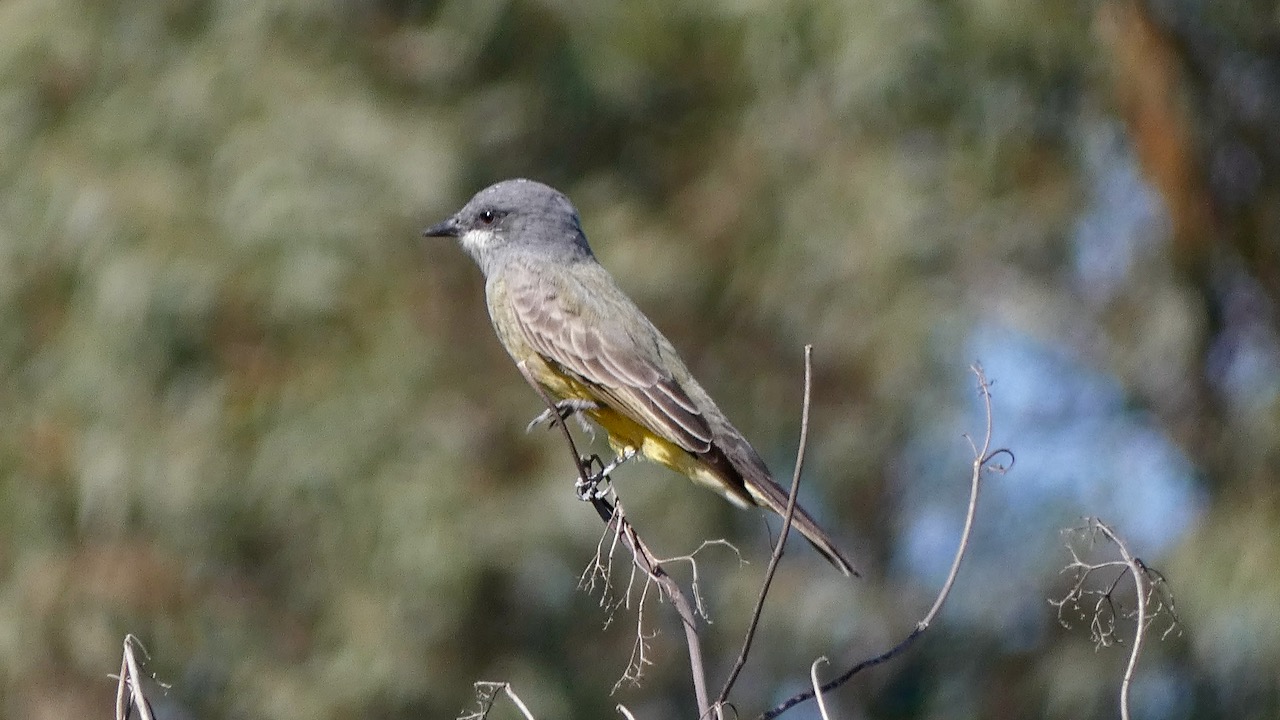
<point x="252" y="418"/>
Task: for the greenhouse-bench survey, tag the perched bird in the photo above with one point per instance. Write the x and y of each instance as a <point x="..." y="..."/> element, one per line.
<point x="561" y="316"/>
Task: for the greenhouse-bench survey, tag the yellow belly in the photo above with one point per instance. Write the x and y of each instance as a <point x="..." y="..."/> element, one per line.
<point x="625" y="434"/>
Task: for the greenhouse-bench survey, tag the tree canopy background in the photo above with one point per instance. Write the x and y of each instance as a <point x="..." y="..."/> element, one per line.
<point x="251" y="417"/>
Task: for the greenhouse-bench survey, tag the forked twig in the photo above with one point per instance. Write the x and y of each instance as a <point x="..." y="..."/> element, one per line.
<point x="1139" y="576"/>
<point x="982" y="459"/>
<point x="640" y="648"/>
<point x="692" y="558"/>
<point x="487" y="695"/>
<point x="129" y="688"/>
<point x="787" y="517"/>
<point x="1149" y="585"/>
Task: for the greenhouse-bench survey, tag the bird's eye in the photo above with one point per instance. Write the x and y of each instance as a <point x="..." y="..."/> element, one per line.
<point x="487" y="217"/>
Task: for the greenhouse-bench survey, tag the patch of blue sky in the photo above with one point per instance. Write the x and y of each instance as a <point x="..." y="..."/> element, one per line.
<point x="1081" y="450"/>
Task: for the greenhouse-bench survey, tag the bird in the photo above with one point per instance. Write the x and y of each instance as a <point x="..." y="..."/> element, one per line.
<point x="565" y="321"/>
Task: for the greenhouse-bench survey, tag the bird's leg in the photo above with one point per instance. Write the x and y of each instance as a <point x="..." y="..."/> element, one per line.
<point x="595" y="485"/>
<point x="564" y="409"/>
<point x="626" y="455"/>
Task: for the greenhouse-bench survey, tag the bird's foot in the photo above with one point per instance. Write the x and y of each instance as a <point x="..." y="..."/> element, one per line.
<point x="626" y="455"/>
<point x="564" y="409"/>
<point x="595" y="485"/>
<point x="591" y="485"/>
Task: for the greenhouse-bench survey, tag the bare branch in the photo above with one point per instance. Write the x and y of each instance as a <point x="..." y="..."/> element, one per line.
<point x="981" y="457"/>
<point x="983" y="460"/>
<point x="782" y="536"/>
<point x="129" y="692"/>
<point x="1150" y="588"/>
<point x="642" y="556"/>
<point x="599" y="572"/>
<point x="640" y="648"/>
<point x="817" y="688"/>
<point x="691" y="558"/>
<point x="487" y="695"/>
<point x="122" y="692"/>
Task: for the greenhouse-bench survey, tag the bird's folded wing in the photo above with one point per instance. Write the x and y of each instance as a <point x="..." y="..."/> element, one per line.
<point x="616" y="359"/>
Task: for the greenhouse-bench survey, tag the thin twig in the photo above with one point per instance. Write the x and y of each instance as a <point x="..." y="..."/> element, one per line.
<point x="982" y="457"/>
<point x="1137" y="569"/>
<point x="692" y="559"/>
<point x="640" y="648"/>
<point x="524" y="710"/>
<point x="641" y="555"/>
<point x="1153" y="599"/>
<point x="1139" y="577"/>
<point x="122" y="693"/>
<point x="817" y="689"/>
<point x="782" y="537"/>
<point x="646" y="560"/>
<point x="487" y="692"/>
<point x="130" y="678"/>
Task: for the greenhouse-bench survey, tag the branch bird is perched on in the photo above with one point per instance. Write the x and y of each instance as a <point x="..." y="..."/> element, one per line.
<point x="558" y="312"/>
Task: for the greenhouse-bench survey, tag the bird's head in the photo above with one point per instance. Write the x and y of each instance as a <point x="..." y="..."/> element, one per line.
<point x="513" y="218"/>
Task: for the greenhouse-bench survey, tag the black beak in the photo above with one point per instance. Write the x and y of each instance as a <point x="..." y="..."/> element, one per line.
<point x="447" y="228"/>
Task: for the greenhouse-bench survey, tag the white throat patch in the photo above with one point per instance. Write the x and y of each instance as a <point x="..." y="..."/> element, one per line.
<point x="476" y="240"/>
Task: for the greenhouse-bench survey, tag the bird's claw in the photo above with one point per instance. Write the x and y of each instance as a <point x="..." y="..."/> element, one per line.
<point x="595" y="485"/>
<point x="591" y="486"/>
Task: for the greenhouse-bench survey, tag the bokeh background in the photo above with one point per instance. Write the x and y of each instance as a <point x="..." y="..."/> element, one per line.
<point x="251" y="417"/>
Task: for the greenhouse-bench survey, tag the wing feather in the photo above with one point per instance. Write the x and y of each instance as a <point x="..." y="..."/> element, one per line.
<point x="619" y="360"/>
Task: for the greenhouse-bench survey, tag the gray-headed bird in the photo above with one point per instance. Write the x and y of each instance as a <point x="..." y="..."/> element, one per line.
<point x="561" y="316"/>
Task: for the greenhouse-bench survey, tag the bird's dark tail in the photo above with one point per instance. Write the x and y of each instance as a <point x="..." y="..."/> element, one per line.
<point x="744" y="478"/>
<point x="768" y="494"/>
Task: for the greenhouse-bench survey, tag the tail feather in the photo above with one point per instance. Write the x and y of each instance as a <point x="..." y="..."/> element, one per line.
<point x="769" y="494"/>
<point x="740" y="474"/>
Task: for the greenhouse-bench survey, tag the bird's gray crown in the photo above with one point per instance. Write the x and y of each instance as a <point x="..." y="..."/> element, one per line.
<point x="516" y="217"/>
